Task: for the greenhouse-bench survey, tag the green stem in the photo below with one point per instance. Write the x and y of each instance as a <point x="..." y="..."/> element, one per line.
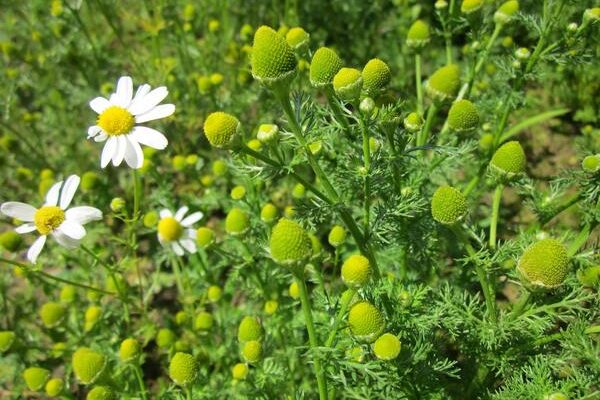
<point x="418" y="83"/>
<point x="178" y="281"/>
<point x="581" y="238"/>
<point x="367" y="165"/>
<point x="424" y="135"/>
<point x="495" y="213"/>
<point x="312" y="336"/>
<point x="466" y="89"/>
<point x="567" y="204"/>
<point x="337" y="110"/>
<point x="137" y="199"/>
<point x="520" y="305"/>
<point x="188" y="393"/>
<point x="138" y="375"/>
<point x="346" y="299"/>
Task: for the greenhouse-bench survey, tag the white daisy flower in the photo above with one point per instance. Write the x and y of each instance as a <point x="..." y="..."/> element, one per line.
<point x="118" y="118"/>
<point x="177" y="232"/>
<point x="54" y="217"/>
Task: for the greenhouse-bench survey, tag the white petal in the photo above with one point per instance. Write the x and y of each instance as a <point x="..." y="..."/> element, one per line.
<point x="93" y="131"/>
<point x="52" y="194"/>
<point x="181" y="213"/>
<point x="83" y="214"/>
<point x="189" y="245"/>
<point x="18" y="210"/>
<point x="124" y="91"/>
<point x="107" y="153"/>
<point x="158" y="112"/>
<point x="64" y="240"/>
<point x="149" y="137"/>
<point x="192" y="219"/>
<point x="192" y="233"/>
<point x="149" y="101"/>
<point x="36" y="248"/>
<point x="134" y="157"/>
<point x="101" y="137"/>
<point x="25" y="228"/>
<point x="164" y="213"/>
<point x="119" y="153"/>
<point x="141" y="91"/>
<point x="68" y="191"/>
<point x="177" y="248"/>
<point x="99" y="104"/>
<point x="72" y="229"/>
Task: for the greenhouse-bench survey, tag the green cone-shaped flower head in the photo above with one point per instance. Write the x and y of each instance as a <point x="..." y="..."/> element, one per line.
<point x="545" y="263"/>
<point x="250" y="329"/>
<point x="470" y="6"/>
<point x="376" y="75"/>
<point x="387" y="347"/>
<point x="273" y="60"/>
<point x="365" y="321"/>
<point x="268" y="213"/>
<point x="348" y="83"/>
<point x="205" y="237"/>
<point x="7" y="338"/>
<point x="418" y="34"/>
<point x="289" y="243"/>
<point x="337" y="236"/>
<point x="252" y="351"/>
<point x="54" y="387"/>
<point x="129" y="350"/>
<point x="591" y="164"/>
<point x="36" y="377"/>
<point x="297" y="38"/>
<point x="204" y="321"/>
<point x="323" y="67"/>
<point x="509" y="159"/>
<point x="356" y="271"/>
<point x="165" y="338"/>
<point x="506" y="11"/>
<point x="88" y="365"/>
<point x="101" y="393"/>
<point x="239" y="372"/>
<point x="221" y="129"/>
<point x="413" y="122"/>
<point x="444" y="83"/>
<point x="237" y="221"/>
<point x="463" y="116"/>
<point x="448" y="205"/>
<point x="183" y="369"/>
<point x="52" y="314"/>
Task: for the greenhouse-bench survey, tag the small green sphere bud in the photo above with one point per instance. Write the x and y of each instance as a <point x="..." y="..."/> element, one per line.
<point x="10" y="241"/>
<point x="216" y="79"/>
<point x="246" y="32"/>
<point x="192" y="159"/>
<point x="486" y="141"/>
<point x="35" y="378"/>
<point x="298" y="39"/>
<point x="294" y="291"/>
<point x="129" y="350"/>
<point x="463" y="116"/>
<point x="413" y="122"/>
<point x="252" y="351"/>
<point x="59" y="349"/>
<point x="254" y="144"/>
<point x="289" y="243"/>
<point x="7" y="338"/>
<point x="151" y="219"/>
<point x="178" y="162"/>
<point x="214" y="25"/>
<point x="376" y="75"/>
<point x="205" y="237"/>
<point x="54" y="387"/>
<point x="348" y="83"/>
<point x="267" y="133"/>
<point x="101" y="393"/>
<point x="88" y="365"/>
<point x="239" y="372"/>
<point x="250" y="329"/>
<point x="68" y="294"/>
<point x="337" y="236"/>
<point x="268" y="213"/>
<point x="181" y="318"/>
<point x="367" y="106"/>
<point x="165" y="338"/>
<point x="52" y="314"/>
<point x="509" y="159"/>
<point x="591" y="163"/>
<point x="44" y="186"/>
<point x="441" y="4"/>
<point x="387" y="347"/>
<point x="273" y="60"/>
<point x="238" y="192"/>
<point x="448" y="205"/>
<point x="324" y="66"/>
<point x="271" y="307"/>
<point x="117" y="204"/>
<point x="545" y="263"/>
<point x="418" y="35"/>
<point x="221" y="129"/>
<point x="204" y="321"/>
<point x="92" y="315"/>
<point x="470" y="6"/>
<point x="214" y="293"/>
<point x="356" y="271"/>
<point x="506" y="11"/>
<point x="522" y="53"/>
<point x="183" y="369"/>
<point x="237" y="222"/>
<point x="365" y="321"/>
<point x="444" y="83"/>
<point x="46" y="173"/>
<point x="299" y="191"/>
<point x="219" y="168"/>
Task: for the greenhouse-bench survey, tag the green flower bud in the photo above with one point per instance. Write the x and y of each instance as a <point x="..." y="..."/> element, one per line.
<point x="219" y="167"/>
<point x="591" y="163"/>
<point x="448" y="205"/>
<point x="387" y="347"/>
<point x="470" y="6"/>
<point x="271" y="307"/>
<point x="249" y="329"/>
<point x="101" y="393"/>
<point x="11" y="241"/>
<point x="205" y="237"/>
<point x="509" y="159"/>
<point x="204" y="321"/>
<point x="267" y="133"/>
<point x="59" y="349"/>
<point x="129" y="350"/>
<point x="183" y="369"/>
<point x="214" y="25"/>
<point x="376" y="75"/>
<point x="52" y="314"/>
<point x="337" y="236"/>
<point x="522" y="53"/>
<point x="365" y="321"/>
<point x="463" y="116"/>
<point x="324" y="66"/>
<point x="254" y="144"/>
<point x="589" y="277"/>
<point x="88" y="365"/>
<point x="348" y="83"/>
<point x="356" y="271"/>
<point x="591" y="15"/>
<point x="316" y="246"/>
<point x="68" y="294"/>
<point x="367" y="106"/>
<point x="486" y="141"/>
<point x="246" y="32"/>
<point x="299" y="191"/>
<point x="252" y="351"/>
<point x="413" y="122"/>
<point x="238" y="192"/>
<point x="297" y="38"/>
<point x="441" y="4"/>
<point x="150" y="219"/>
<point x="290" y="243"/>
<point x="294" y="291"/>
<point x="418" y="35"/>
<point x="89" y="181"/>
<point x="268" y="213"/>
<point x="239" y="372"/>
<point x="214" y="293"/>
<point x="54" y="387"/>
<point x="35" y="378"/>
<point x="506" y="11"/>
<point x="178" y="162"/>
<point x="221" y="129"/>
<point x="273" y="60"/>
<point x="545" y="263"/>
<point x="237" y="222"/>
<point x="117" y="204"/>
<point x="444" y="83"/>
<point x="92" y="315"/>
<point x="7" y="338"/>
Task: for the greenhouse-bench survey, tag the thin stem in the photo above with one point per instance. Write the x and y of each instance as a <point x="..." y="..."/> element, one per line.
<point x="137" y="199"/>
<point x="495" y="213"/>
<point x="418" y="83"/>
<point x="337" y="110"/>
<point x="178" y="281"/>
<point x="138" y="375"/>
<point x="466" y="89"/>
<point x="346" y="299"/>
<point x="367" y="165"/>
<point x="580" y="239"/>
<point x="520" y="305"/>
<point x="424" y="135"/>
<point x="567" y="204"/>
<point x="312" y="336"/>
<point x="188" y="393"/>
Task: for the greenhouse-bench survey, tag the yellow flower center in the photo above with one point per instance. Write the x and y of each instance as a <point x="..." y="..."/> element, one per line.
<point x="48" y="218"/>
<point x="115" y="121"/>
<point x="170" y="229"/>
